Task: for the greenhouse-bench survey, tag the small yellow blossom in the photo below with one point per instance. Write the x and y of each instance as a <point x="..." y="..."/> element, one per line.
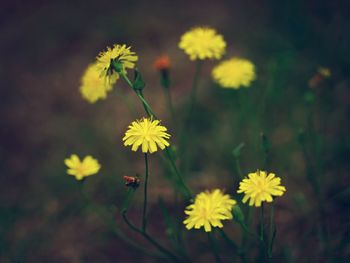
<point x="260" y="187"/>
<point x="81" y="169"/>
<point x="202" y="43"/>
<point x="208" y="209"/>
<point x="93" y="86"/>
<point x="120" y="54"/>
<point x="234" y="72"/>
<point x="148" y="134"/>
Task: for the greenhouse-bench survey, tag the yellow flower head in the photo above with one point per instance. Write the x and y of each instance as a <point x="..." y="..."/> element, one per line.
<point x="93" y="86"/>
<point x="148" y="134"/>
<point x="202" y="43"/>
<point x="260" y="187"/>
<point x="119" y="54"/>
<point x="87" y="167"/>
<point x="234" y="73"/>
<point x="208" y="209"/>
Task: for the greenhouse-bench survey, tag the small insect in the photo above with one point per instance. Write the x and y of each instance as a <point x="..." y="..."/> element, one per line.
<point x="131" y="181"/>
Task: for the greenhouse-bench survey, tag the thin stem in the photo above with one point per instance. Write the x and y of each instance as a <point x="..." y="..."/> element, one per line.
<point x="150" y="113"/>
<point x="125" y="77"/>
<point x="144" y="213"/>
<point x="185" y="136"/>
<point x="170" y="105"/>
<point x="246" y="229"/>
<point x="181" y="181"/>
<point x="238" y="168"/>
<point x="241" y="252"/>
<point x="272" y="232"/>
<point x="166" y="252"/>
<point x="146" y="106"/>
<point x="98" y="210"/>
<point x="261" y="235"/>
<point x="228" y="239"/>
<point x="214" y="248"/>
<point x="139" y="94"/>
<point x="194" y="89"/>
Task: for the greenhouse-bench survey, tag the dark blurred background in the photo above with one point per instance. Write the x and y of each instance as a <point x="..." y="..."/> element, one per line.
<point x="45" y="47"/>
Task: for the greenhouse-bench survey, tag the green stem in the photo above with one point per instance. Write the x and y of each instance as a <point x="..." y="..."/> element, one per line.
<point x="125" y="77"/>
<point x="170" y="105"/>
<point x="185" y="136"/>
<point x="194" y="89"/>
<point x="228" y="240"/>
<point x="112" y="225"/>
<point x="139" y="94"/>
<point x="241" y="252"/>
<point x="261" y="235"/>
<point x="150" y="113"/>
<point x="187" y="192"/>
<point x="144" y="213"/>
<point x="145" y="104"/>
<point x="272" y="232"/>
<point x="266" y="149"/>
<point x="214" y="248"/>
<point x="166" y="252"/>
<point x="238" y="168"/>
<point x="128" y="199"/>
<point x="246" y="230"/>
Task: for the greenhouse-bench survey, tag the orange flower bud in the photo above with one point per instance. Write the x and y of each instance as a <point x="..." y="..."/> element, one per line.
<point x="162" y="63"/>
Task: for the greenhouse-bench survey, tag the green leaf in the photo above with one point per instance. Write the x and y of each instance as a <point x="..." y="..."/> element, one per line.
<point x="128" y="199"/>
<point x="238" y="215"/>
<point x="237" y="151"/>
<point x="165" y="79"/>
<point x="139" y="84"/>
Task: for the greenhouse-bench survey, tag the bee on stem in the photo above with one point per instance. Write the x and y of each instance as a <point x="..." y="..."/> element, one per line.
<point x="132" y="181"/>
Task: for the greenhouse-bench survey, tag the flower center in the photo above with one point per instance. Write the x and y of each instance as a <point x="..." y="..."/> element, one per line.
<point x="260" y="187"/>
<point x="147" y="133"/>
<point x="81" y="169"/>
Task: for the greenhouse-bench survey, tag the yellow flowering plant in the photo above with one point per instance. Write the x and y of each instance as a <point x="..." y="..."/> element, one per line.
<point x="148" y="134"/>
<point x="93" y="86"/>
<point x="209" y="211"/>
<point x="234" y="73"/>
<point x="202" y="43"/>
<point x="260" y="187"/>
<point x="81" y="169"/>
<point x="115" y="61"/>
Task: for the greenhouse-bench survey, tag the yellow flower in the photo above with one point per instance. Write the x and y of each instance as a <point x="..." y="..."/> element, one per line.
<point x="203" y="43"/>
<point x="234" y="73"/>
<point x="260" y="187"/>
<point x="146" y="133"/>
<point x="208" y="209"/>
<point x="119" y="54"/>
<point x="93" y="86"/>
<point x="87" y="167"/>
